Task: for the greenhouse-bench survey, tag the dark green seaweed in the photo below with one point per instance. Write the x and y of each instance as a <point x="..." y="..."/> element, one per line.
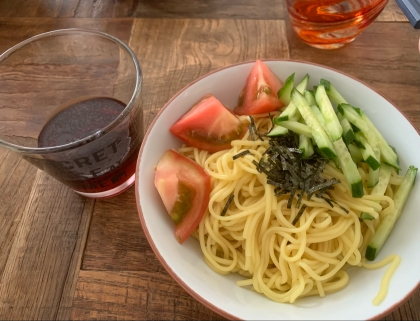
<point x="241" y="154"/>
<point x="228" y="202"/>
<point x="290" y="173"/>
<point x="299" y="214"/>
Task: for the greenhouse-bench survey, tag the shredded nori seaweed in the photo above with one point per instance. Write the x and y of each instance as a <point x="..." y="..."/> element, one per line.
<point x="229" y="201"/>
<point x="253" y="130"/>
<point x="291" y="174"/>
<point x="241" y="154"/>
<point x="299" y="214"/>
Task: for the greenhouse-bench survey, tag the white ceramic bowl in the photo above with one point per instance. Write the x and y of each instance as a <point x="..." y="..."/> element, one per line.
<point x="185" y="262"/>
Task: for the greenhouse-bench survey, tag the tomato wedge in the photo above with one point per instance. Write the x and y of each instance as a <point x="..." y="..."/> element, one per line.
<point x="209" y="125"/>
<point x="184" y="187"/>
<point x="260" y="92"/>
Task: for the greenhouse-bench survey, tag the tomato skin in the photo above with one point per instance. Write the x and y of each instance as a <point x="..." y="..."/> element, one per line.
<point x="209" y="125"/>
<point x="259" y="95"/>
<point x="185" y="188"/>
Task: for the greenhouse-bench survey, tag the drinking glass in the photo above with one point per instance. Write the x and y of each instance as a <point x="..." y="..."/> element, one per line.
<point x="330" y="24"/>
<point x="70" y="105"/>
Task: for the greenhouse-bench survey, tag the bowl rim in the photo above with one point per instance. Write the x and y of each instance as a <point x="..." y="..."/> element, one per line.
<point x="190" y="291"/>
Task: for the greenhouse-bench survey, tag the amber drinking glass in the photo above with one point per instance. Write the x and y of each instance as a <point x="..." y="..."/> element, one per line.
<point x="330" y="24"/>
<point x="70" y="105"/>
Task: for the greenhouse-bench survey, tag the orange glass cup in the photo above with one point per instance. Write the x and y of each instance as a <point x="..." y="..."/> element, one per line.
<point x="330" y="24"/>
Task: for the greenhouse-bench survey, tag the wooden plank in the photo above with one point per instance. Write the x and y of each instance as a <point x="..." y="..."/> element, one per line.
<point x="390" y="67"/>
<point x="39" y="266"/>
<point x="56" y="8"/>
<point x="16" y="180"/>
<point x="243" y="9"/>
<point x="65" y="307"/>
<point x="19" y="8"/>
<point x="392" y="12"/>
<point x="15" y="30"/>
<point x="130" y="295"/>
<point x="116" y="240"/>
<point x="220" y="9"/>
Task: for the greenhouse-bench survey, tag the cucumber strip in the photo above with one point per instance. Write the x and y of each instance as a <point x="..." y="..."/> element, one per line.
<point x="373" y="177"/>
<point x="388" y="155"/>
<point x="348" y="134"/>
<point x="366" y="216"/>
<point x="320" y="136"/>
<point x="387" y="224"/>
<point x="318" y="116"/>
<point x="358" y="142"/>
<point x="355" y="153"/>
<point x="295" y="126"/>
<point x="352" y="116"/>
<point x="278" y="131"/>
<point x="310" y="98"/>
<point x="367" y="152"/>
<point x="288" y="113"/>
<point x="301" y="86"/>
<point x="306" y="146"/>
<point x="334" y="129"/>
<point x="284" y="92"/>
<point x="322" y="154"/>
<point x="384" y="177"/>
<point x="332" y="93"/>
<point x="349" y="168"/>
<point x="336" y="162"/>
<point x="355" y="129"/>
<point x="383" y="180"/>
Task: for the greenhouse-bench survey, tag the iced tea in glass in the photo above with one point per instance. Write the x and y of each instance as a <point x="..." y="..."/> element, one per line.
<point x="70" y="105"/>
<point x="330" y="24"/>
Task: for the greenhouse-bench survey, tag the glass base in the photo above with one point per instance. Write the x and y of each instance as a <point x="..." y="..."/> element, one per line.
<point x="112" y="192"/>
<point x="329" y="45"/>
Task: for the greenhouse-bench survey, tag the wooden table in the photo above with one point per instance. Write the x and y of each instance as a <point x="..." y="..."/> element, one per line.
<point x="63" y="256"/>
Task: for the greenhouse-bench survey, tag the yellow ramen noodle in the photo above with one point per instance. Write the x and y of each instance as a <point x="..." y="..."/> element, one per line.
<point x="256" y="238"/>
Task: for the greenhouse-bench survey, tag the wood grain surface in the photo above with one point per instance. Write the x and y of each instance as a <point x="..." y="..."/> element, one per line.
<point x="66" y="257"/>
<point x="220" y="9"/>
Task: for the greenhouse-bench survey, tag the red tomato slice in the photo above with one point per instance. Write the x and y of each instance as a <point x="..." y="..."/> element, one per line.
<point x="260" y="92"/>
<point x="184" y="187"/>
<point x="209" y="125"/>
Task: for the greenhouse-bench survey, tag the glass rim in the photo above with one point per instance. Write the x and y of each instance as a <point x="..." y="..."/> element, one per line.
<point x="101" y="132"/>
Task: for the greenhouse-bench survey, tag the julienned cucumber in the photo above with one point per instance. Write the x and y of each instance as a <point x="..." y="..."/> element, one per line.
<point x="310" y="98"/>
<point x="387" y="153"/>
<point x="295" y="126"/>
<point x="348" y="134"/>
<point x="367" y="151"/>
<point x="306" y="146"/>
<point x="355" y="153"/>
<point x="278" y="131"/>
<point x="320" y="136"/>
<point x="332" y="93"/>
<point x="288" y="113"/>
<point x="332" y="123"/>
<point x="318" y="116"/>
<point x="301" y="86"/>
<point x="382" y="150"/>
<point x="387" y="224"/>
<point x="284" y="92"/>
<point x="349" y="168"/>
<point x="383" y="180"/>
